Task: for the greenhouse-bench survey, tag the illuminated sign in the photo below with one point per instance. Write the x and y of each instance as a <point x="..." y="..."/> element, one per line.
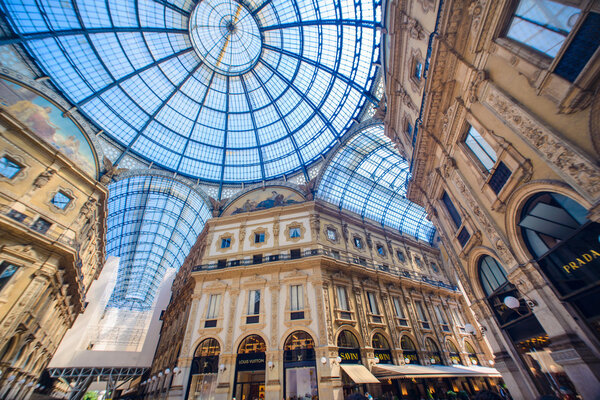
<point x="250" y="362"/>
<point x="574" y="264"/>
<point x="385" y="356"/>
<point x="412" y="356"/>
<point x="349" y="356"/>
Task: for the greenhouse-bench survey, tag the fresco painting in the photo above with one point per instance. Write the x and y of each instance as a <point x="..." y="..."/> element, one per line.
<point x="262" y="199"/>
<point x="47" y="121"/>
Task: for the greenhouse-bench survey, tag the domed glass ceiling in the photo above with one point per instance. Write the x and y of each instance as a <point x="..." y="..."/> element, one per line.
<point x="220" y="90"/>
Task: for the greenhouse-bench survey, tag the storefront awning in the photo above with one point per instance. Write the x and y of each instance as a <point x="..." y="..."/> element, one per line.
<point x="389" y="371"/>
<point x="359" y="374"/>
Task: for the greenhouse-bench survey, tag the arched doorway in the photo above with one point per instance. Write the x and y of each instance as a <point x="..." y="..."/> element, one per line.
<point x="453" y="353"/>
<point x="382" y="349"/>
<point x="409" y="351"/>
<point x="203" y="374"/>
<point x="300" y="368"/>
<point x="435" y="357"/>
<point x="250" y="369"/>
<point x="565" y="245"/>
<point x="522" y="327"/>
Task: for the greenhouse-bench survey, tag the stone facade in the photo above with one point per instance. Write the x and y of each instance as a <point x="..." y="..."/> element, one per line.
<point x="316" y="247"/>
<point x="47" y="266"/>
<point x="543" y="130"/>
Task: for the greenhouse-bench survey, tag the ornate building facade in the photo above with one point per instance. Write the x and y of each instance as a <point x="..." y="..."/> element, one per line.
<point x="275" y="302"/>
<point x="504" y="153"/>
<point x="52" y="230"/>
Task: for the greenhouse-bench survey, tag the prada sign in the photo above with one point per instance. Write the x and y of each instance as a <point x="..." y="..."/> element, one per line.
<point x="574" y="264"/>
<point x="349" y="356"/>
<point x="385" y="356"/>
<point x="250" y="362"/>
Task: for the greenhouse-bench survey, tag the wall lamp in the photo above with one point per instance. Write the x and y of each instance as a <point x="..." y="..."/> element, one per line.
<point x="337" y="360"/>
<point x="176" y="370"/>
<point x="407" y="360"/>
<point x="323" y="360"/>
<point x="270" y="365"/>
<point x="222" y="368"/>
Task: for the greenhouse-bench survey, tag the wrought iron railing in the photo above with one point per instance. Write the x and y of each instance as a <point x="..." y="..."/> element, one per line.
<point x="402" y="273"/>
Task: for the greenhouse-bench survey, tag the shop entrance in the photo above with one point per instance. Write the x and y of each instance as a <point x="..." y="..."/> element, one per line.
<point x="300" y="367"/>
<point x="250" y="369"/>
<point x="203" y="373"/>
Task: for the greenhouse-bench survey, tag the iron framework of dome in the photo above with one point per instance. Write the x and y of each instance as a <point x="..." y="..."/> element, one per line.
<point x="219" y="90"/>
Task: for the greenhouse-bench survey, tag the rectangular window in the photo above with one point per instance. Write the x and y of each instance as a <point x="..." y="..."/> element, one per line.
<point x="463" y="237"/>
<point x="420" y="311"/>
<point x="440" y="315"/>
<point x="481" y="149"/>
<point x="8" y="167"/>
<point x="257" y="259"/>
<point x="418" y="72"/>
<point x="381" y="250"/>
<point x="41" y="225"/>
<point x="296" y="298"/>
<point x="254" y="302"/>
<point x="259" y="237"/>
<point x="335" y="254"/>
<point x="409" y="129"/>
<point x="398" y="308"/>
<point x="457" y="317"/>
<point x="225" y="243"/>
<point x="7" y="270"/>
<point x="214" y="303"/>
<point x="221" y="263"/>
<point x="294" y="233"/>
<point x="61" y="200"/>
<point x="331" y="234"/>
<point x="499" y="177"/>
<point x="373" y="303"/>
<point x="342" y="298"/>
<point x="400" y="256"/>
<point x="295" y="253"/>
<point x="358" y="242"/>
<point x="452" y="210"/>
<point x="418" y="262"/>
<point x="542" y="25"/>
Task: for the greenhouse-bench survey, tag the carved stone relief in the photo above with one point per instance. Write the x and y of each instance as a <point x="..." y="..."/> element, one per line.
<point x="577" y="169"/>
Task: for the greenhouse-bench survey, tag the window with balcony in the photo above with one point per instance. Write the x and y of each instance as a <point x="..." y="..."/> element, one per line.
<point x="296" y="302"/>
<point x="422" y="315"/>
<point x="253" y="306"/>
<point x="373" y="307"/>
<point x="343" y="304"/>
<point x="212" y="313"/>
<point x="399" y="311"/>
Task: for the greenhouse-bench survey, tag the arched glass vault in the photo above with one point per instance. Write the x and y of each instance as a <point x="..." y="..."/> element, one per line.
<point x="153" y="221"/>
<point x="368" y="176"/>
<point x="224" y="91"/>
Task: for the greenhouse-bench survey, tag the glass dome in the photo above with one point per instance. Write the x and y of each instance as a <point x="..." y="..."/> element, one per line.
<point x="220" y="90"/>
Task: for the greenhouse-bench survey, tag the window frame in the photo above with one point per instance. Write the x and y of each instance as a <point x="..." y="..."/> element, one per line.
<point x="16" y="163"/>
<point x="298" y="304"/>
<point x="213" y="307"/>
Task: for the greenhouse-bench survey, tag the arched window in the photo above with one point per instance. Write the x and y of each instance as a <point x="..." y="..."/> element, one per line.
<point x="252" y="344"/>
<point x="380" y="342"/>
<point x="491" y="274"/>
<point x="346" y="339"/>
<point x="299" y="347"/>
<point x="472" y="353"/>
<point x="7" y="348"/>
<point x="409" y="351"/>
<point x="208" y="347"/>
<point x="548" y="218"/>
<point x="407" y="344"/>
<point x="382" y="348"/>
<point x="434" y="351"/>
<point x="453" y="350"/>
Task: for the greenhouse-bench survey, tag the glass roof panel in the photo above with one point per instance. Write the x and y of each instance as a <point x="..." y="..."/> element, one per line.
<point x="201" y="88"/>
<point x="152" y="223"/>
<point x="368" y="176"/>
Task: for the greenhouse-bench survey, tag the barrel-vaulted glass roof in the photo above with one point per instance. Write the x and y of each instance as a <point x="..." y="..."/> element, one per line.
<point x="221" y="90"/>
<point x="153" y="222"/>
<point x="368" y="176"/>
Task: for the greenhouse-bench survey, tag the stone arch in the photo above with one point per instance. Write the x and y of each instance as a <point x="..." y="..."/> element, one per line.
<point x="201" y="339"/>
<point x="352" y="330"/>
<point x="515" y="205"/>
<point x="291" y="330"/>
